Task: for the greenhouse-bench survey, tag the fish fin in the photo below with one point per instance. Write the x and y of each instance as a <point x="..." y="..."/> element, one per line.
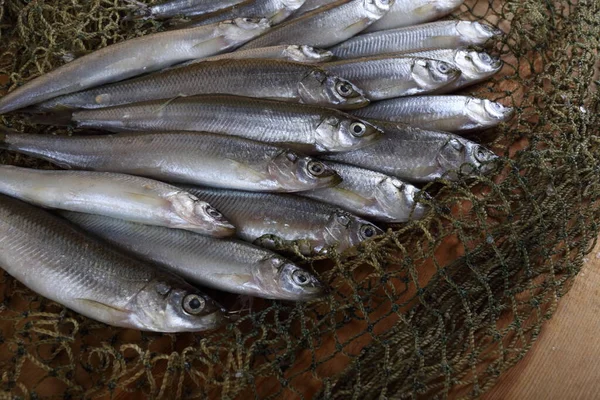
<point x="138" y="9"/>
<point x="70" y="56"/>
<point x="97" y="305"/>
<point x="169" y="101"/>
<point x="424" y="9"/>
<point x="361" y="25"/>
<point x="214" y="45"/>
<point x="145" y="198"/>
<point x="246" y="172"/>
<point x="62" y="118"/>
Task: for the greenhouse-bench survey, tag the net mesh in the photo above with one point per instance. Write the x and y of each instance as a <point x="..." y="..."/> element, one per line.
<point x="435" y="308"/>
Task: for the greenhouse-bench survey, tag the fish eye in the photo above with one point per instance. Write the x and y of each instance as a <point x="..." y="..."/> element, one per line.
<point x="367" y="231"/>
<point x="485" y="57"/>
<point x="480" y="154"/>
<point x="193" y="304"/>
<point x="213" y="212"/>
<point x="358" y="129"/>
<point x="293" y="157"/>
<point x="443" y="68"/>
<point x="344" y="88"/>
<point x="301" y="277"/>
<point x="316" y="168"/>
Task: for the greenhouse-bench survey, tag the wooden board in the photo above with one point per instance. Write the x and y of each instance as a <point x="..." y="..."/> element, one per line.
<point x="564" y="363"/>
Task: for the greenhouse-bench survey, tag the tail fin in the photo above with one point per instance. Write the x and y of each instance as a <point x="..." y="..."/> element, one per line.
<point x="138" y="11"/>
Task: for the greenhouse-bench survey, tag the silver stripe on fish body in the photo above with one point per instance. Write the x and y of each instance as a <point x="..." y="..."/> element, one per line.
<point x="302" y="127"/>
<point x="233" y="266"/>
<point x="386" y="77"/>
<point x="184" y="157"/>
<point x="326" y="26"/>
<point x="413" y="12"/>
<point x="371" y="195"/>
<point x="271" y="221"/>
<point x="271" y="79"/>
<point x="474" y="66"/>
<point x="134" y="57"/>
<point x="45" y="253"/>
<point x="310" y="5"/>
<point x="418" y="155"/>
<point x="121" y="196"/>
<point x="441" y="34"/>
<point x="442" y="113"/>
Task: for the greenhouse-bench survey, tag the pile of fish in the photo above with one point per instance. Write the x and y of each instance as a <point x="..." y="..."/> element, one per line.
<point x="253" y="126"/>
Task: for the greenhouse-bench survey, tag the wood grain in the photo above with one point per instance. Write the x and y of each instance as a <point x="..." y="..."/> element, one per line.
<point x="564" y="363"/>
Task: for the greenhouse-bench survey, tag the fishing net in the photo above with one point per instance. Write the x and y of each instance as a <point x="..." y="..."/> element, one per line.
<point x="434" y="308"/>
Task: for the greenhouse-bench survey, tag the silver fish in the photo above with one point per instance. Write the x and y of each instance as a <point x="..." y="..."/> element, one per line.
<point x="271" y="79"/>
<point x="371" y="194"/>
<point x="292" y="52"/>
<point x="326" y="26"/>
<point x="419" y="155"/>
<point x="442" y="113"/>
<point x="442" y="34"/>
<point x="271" y="220"/>
<point x="184" y="157"/>
<point x="276" y="11"/>
<point x="134" y="57"/>
<point x="475" y="66"/>
<point x="230" y="265"/>
<point x="310" y="5"/>
<point x="59" y="261"/>
<point x="116" y="195"/>
<point x="174" y="8"/>
<point x="413" y="12"/>
<point x="387" y="77"/>
<point x="301" y="127"/>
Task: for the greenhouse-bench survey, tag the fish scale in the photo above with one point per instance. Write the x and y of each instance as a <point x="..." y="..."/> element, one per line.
<point x="231" y="265"/>
<point x="441" y="34"/>
<point x="325" y="26"/>
<point x="187" y="157"/>
<point x="274" y="79"/>
<point x="315" y="226"/>
<point x="59" y="261"/>
<point x="293" y="125"/>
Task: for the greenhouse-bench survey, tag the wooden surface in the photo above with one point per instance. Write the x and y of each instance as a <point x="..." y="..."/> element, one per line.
<point x="564" y="363"/>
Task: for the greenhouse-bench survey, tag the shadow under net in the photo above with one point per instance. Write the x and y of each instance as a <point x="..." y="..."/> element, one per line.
<point x="434" y="308"/>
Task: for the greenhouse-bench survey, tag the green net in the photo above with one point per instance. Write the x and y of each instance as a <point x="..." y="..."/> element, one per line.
<point x="435" y="308"/>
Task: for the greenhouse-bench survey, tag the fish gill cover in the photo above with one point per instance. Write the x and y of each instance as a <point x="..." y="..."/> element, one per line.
<point x="434" y="308"/>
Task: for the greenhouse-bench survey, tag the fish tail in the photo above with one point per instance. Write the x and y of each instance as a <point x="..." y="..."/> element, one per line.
<point x="139" y="10"/>
<point x="61" y="118"/>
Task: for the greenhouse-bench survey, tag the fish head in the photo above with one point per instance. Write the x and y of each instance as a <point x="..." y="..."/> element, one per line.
<point x="296" y="172"/>
<point x="307" y="54"/>
<point x="282" y="279"/>
<point x="476" y="33"/>
<point x="378" y="8"/>
<point x="321" y="88"/>
<point x="345" y="230"/>
<point x="199" y="216"/>
<point x="463" y="154"/>
<point x="167" y="304"/>
<point x="432" y="74"/>
<point x="343" y="132"/>
<point x="243" y="29"/>
<point x="488" y="113"/>
<point x="396" y="197"/>
<point x="477" y="65"/>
